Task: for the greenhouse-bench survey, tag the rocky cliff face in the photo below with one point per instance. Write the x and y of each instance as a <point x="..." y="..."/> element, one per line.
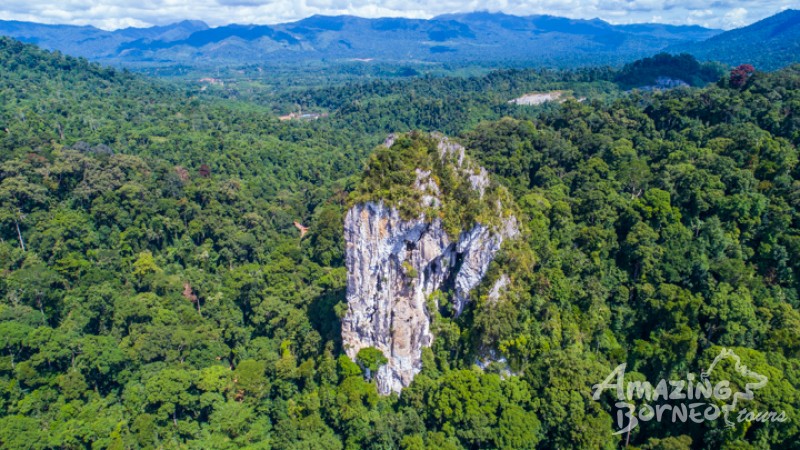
<point x="394" y="265"/>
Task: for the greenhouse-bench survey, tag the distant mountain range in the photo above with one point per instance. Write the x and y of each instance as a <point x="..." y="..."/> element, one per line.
<point x="472" y="37"/>
<point x="479" y="37"/>
<point x="769" y="44"/>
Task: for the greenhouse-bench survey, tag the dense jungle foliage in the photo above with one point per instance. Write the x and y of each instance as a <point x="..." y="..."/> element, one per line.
<point x="648" y="71"/>
<point x="154" y="292"/>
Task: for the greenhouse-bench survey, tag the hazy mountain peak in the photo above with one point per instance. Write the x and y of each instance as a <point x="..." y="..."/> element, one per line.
<point x="768" y="44"/>
<point x="475" y="37"/>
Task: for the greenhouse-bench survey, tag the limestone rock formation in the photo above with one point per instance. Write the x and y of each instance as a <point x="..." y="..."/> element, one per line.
<point x="395" y="264"/>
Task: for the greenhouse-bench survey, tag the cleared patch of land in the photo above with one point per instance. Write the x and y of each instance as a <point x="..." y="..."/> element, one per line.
<point x="538" y="98"/>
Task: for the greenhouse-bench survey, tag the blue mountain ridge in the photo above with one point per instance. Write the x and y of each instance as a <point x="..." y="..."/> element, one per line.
<point x="479" y="37"/>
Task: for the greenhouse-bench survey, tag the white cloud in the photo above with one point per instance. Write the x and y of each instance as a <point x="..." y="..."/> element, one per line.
<point x="736" y="17"/>
<point x="111" y="14"/>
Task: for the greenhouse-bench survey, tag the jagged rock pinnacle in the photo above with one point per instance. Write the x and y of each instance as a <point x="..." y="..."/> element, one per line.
<point x="394" y="264"/>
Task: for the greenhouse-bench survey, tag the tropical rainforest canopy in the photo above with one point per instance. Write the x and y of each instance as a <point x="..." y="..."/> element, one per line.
<point x="154" y="292"/>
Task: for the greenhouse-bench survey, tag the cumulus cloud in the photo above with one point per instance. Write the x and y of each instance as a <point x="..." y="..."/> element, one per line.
<point x="736" y="17"/>
<point x="112" y="14"/>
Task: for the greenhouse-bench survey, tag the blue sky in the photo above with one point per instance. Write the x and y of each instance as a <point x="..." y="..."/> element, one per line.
<point x="109" y="14"/>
